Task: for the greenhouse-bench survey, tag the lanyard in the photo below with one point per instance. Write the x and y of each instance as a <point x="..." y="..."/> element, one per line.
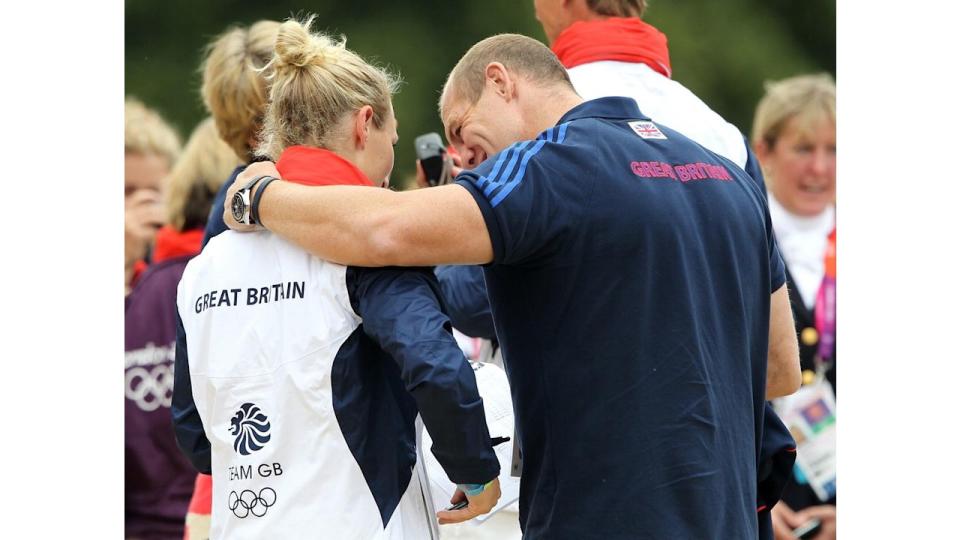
<point x="825" y="311"/>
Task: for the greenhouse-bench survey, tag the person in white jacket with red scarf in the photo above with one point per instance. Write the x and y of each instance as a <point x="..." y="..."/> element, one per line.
<point x="609" y="50"/>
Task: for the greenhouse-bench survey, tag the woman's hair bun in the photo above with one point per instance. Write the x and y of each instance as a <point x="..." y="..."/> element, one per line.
<point x="296" y="47"/>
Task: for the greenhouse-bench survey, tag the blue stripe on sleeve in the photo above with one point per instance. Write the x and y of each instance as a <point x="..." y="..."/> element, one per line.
<point x="546" y="135"/>
<point x="497" y="178"/>
<point x="497" y="173"/>
<point x="496" y="169"/>
<point x="517" y="178"/>
<point x="519" y="149"/>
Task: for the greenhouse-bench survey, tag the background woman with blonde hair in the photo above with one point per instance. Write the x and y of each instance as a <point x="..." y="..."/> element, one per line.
<point x="794" y="135"/>
<point x="319" y="370"/>
<point x="235" y="91"/>
<point x="150" y="147"/>
<point x="158" y="480"/>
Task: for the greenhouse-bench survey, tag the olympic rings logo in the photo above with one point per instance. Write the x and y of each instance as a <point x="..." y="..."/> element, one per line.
<point x="152" y="389"/>
<point x="248" y="502"/>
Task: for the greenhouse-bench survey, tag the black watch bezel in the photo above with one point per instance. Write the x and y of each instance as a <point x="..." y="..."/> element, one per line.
<point x="240" y="205"/>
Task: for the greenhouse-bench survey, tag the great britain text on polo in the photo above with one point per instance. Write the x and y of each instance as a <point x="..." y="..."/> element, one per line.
<point x="251" y="296"/>
<point x="683" y="172"/>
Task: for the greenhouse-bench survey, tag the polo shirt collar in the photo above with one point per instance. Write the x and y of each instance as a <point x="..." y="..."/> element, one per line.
<point x="605" y="107"/>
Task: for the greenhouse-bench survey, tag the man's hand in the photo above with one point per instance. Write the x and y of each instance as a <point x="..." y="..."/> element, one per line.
<point x="261" y="168"/>
<point x="785" y="520"/>
<point x="477" y="505"/>
<point x="456" y="168"/>
<point x="421" y="176"/>
<point x="827" y="514"/>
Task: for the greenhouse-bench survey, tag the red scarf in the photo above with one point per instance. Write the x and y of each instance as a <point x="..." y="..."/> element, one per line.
<point x="172" y="243"/>
<point x="615" y="38"/>
<point x="318" y="167"/>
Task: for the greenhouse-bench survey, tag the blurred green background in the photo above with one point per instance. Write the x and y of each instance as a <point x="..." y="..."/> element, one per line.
<point x="722" y="50"/>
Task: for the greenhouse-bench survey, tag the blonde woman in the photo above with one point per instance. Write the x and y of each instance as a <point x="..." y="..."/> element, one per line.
<point x="794" y="135"/>
<point x="298" y="380"/>
<point x="158" y="480"/>
<point x="150" y="147"/>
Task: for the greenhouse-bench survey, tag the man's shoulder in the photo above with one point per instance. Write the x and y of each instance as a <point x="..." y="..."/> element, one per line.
<point x="515" y="162"/>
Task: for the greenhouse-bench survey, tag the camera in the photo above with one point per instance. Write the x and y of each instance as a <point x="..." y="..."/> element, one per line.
<point x="433" y="158"/>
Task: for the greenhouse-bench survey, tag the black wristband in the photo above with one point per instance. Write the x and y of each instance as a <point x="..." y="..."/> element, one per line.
<point x="255" y="204"/>
<point x="251" y="183"/>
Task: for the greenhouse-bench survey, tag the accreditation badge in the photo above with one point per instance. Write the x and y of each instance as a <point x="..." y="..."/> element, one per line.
<point x="810" y="415"/>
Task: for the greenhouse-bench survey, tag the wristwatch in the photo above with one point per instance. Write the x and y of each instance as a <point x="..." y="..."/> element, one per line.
<point x="240" y="205"/>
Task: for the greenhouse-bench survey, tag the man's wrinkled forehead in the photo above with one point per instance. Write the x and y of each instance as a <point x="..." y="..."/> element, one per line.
<point x="447" y="100"/>
<point x="452" y="109"/>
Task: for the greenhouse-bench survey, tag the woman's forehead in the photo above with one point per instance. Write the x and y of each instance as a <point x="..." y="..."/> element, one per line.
<point x="810" y="124"/>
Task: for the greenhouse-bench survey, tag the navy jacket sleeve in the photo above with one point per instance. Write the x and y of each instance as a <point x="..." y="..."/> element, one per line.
<point x="778" y="452"/>
<point x="465" y="296"/>
<point x="215" y="223"/>
<point x="401" y="311"/>
<point x="186" y="419"/>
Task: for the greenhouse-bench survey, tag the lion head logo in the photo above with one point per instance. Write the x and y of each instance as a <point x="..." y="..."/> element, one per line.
<point x="251" y="428"/>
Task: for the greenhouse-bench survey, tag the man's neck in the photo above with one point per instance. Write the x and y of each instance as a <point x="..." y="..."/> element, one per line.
<point x="551" y="105"/>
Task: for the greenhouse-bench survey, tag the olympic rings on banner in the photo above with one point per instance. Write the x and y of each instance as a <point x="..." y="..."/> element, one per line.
<point x="152" y="389"/>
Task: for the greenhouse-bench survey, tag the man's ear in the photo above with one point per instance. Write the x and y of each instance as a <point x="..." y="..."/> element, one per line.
<point x="362" y="124"/>
<point x="503" y="83"/>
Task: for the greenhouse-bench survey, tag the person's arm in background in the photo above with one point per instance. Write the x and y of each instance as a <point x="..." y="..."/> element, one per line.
<point x="464" y="290"/>
<point x="215" y="224"/>
<point x="783" y="359"/>
<point x="465" y="297"/>
<point x="354" y="225"/>
<point x="187" y="425"/>
<point x="401" y="311"/>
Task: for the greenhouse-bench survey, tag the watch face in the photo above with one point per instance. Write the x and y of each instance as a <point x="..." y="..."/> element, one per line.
<point x="238" y="207"/>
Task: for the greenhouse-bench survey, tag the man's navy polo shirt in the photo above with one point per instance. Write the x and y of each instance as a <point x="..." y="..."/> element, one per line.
<point x="631" y="289"/>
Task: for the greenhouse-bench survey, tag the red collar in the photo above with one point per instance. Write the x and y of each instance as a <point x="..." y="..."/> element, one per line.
<point x="171" y="243"/>
<point x="319" y="167"/>
<point x="622" y="39"/>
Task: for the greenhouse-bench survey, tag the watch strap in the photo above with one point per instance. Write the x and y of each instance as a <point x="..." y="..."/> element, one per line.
<point x="247" y="197"/>
<point x="252" y="183"/>
<point x="255" y="203"/>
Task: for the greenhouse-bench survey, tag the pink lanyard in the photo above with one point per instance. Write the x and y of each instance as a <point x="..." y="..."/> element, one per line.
<point x="825" y="311"/>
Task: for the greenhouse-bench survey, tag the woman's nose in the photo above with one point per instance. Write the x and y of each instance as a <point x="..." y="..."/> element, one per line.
<point x="821" y="161"/>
